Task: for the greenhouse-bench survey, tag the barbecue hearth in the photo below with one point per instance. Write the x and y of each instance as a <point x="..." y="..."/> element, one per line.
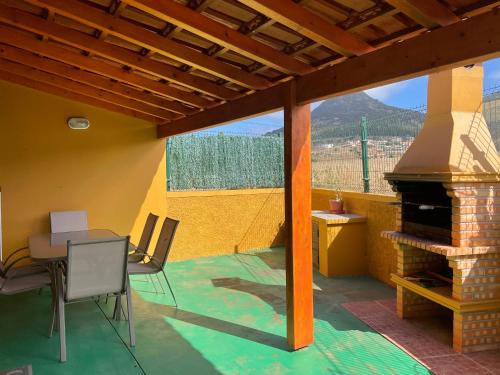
<point x="448" y="235"/>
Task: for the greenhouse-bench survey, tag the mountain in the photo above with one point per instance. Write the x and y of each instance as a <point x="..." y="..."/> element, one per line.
<point x="340" y="117"/>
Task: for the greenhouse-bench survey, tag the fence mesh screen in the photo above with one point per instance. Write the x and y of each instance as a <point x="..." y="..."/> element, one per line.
<point x="208" y="161"/>
<point x="205" y="161"/>
<point x="338" y="164"/>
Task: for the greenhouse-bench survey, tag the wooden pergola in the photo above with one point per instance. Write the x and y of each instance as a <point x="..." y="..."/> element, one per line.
<point x="190" y="64"/>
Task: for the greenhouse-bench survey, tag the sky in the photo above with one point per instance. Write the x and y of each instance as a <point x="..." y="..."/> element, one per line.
<point x="405" y="94"/>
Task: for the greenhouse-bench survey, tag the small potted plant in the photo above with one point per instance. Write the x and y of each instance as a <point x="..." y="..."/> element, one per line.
<point x="336" y="204"/>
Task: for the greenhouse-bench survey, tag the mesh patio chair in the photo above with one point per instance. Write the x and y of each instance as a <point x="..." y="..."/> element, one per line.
<point x="7" y="266"/>
<point x="22" y="279"/>
<point x="156" y="263"/>
<point x="68" y="221"/>
<point x="142" y="247"/>
<point x="94" y="268"/>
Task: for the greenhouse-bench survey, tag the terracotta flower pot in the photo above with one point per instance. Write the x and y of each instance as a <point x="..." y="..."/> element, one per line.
<point x="336" y="206"/>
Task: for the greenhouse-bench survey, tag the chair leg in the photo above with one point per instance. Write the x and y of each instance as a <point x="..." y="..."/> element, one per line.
<point x="153" y="282"/>
<point x="169" y="287"/>
<point x="118" y="307"/>
<point x="131" y="326"/>
<point x="54" y="311"/>
<point x="159" y="283"/>
<point x="62" y="324"/>
<point x="53" y="292"/>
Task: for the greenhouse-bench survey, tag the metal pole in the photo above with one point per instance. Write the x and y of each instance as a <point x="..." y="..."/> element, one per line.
<point x="364" y="154"/>
<point x="169" y="174"/>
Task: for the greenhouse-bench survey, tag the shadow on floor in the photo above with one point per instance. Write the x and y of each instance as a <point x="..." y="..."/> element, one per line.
<point x="224" y="326"/>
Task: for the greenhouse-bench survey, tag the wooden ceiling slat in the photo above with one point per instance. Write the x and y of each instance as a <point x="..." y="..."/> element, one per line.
<point x="462" y="43"/>
<point x="70" y="72"/>
<point x="16" y="38"/>
<point x="311" y="25"/>
<point x="77" y="87"/>
<point x="118" y="54"/>
<point x="152" y="41"/>
<point x="171" y="11"/>
<point x="53" y="90"/>
<point x="429" y="13"/>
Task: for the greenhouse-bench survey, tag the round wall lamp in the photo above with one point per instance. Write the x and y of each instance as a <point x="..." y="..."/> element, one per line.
<point x="78" y="123"/>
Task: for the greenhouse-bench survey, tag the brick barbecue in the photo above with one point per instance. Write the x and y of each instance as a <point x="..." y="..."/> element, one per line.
<point x="448" y="184"/>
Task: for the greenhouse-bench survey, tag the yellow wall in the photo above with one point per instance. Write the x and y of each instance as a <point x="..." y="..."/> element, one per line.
<point x="381" y="254"/>
<point x="115" y="170"/>
<point x="226" y="222"/>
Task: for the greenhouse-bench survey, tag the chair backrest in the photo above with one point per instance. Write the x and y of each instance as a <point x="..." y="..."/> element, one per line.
<point x="68" y="221"/>
<point x="147" y="233"/>
<point x="165" y="240"/>
<point x="96" y="267"/>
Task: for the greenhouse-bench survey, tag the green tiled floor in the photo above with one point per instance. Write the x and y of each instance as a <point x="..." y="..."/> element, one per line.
<point x="230" y="321"/>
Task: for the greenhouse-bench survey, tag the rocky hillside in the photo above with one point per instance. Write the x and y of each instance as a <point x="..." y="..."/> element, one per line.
<point x="340" y="117"/>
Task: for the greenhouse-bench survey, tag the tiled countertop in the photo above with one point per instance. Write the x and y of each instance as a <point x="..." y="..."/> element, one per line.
<point x="330" y="218"/>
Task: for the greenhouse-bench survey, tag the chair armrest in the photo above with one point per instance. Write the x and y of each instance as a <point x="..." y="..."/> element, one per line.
<point x="7" y="269"/>
<point x="154" y="260"/>
<point x="13" y="253"/>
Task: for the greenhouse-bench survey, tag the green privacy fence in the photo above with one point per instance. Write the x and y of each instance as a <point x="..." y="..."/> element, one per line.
<point x="351" y="157"/>
<point x="208" y="161"/>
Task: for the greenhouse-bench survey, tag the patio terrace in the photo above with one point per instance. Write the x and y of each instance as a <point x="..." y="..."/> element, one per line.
<point x="231" y="320"/>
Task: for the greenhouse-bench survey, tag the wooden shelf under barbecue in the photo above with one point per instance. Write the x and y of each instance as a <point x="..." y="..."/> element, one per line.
<point x="442" y="295"/>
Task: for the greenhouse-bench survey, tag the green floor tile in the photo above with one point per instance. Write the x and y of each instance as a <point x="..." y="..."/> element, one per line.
<point x="230" y="320"/>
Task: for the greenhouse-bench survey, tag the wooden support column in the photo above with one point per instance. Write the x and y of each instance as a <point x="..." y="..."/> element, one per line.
<point x="299" y="288"/>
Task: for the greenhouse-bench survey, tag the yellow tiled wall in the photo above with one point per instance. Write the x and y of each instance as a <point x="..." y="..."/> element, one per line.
<point x="226" y="221"/>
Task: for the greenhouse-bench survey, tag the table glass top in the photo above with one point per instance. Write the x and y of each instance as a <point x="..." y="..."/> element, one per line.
<point x="53" y="246"/>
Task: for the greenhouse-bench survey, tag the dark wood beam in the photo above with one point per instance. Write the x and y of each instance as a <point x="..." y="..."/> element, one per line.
<point x="299" y="281"/>
<point x="462" y="43"/>
<point x="429" y="13"/>
<point x="199" y="24"/>
<point x="311" y="25"/>
<point x="126" y="30"/>
<point x="54" y="90"/>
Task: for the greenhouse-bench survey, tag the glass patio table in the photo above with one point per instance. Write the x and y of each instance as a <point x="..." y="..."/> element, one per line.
<point x="53" y="247"/>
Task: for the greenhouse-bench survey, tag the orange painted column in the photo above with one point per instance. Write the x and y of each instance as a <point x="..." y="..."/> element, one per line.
<point x="299" y="289"/>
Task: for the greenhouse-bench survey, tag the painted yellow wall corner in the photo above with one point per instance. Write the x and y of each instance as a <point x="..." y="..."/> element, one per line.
<point x="115" y="170"/>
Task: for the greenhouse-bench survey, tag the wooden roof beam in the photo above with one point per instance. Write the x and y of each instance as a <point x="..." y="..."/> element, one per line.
<point x="462" y="43"/>
<point x="260" y="103"/>
<point x="70" y="72"/>
<point x="311" y="25"/>
<point x="199" y="24"/>
<point x="77" y="87"/>
<point x="19" y="39"/>
<point x="53" y="90"/>
<point x="125" y="30"/>
<point x="121" y="55"/>
<point x="429" y="13"/>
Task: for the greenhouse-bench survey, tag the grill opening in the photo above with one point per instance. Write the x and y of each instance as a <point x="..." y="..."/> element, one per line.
<point x="426" y="210"/>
